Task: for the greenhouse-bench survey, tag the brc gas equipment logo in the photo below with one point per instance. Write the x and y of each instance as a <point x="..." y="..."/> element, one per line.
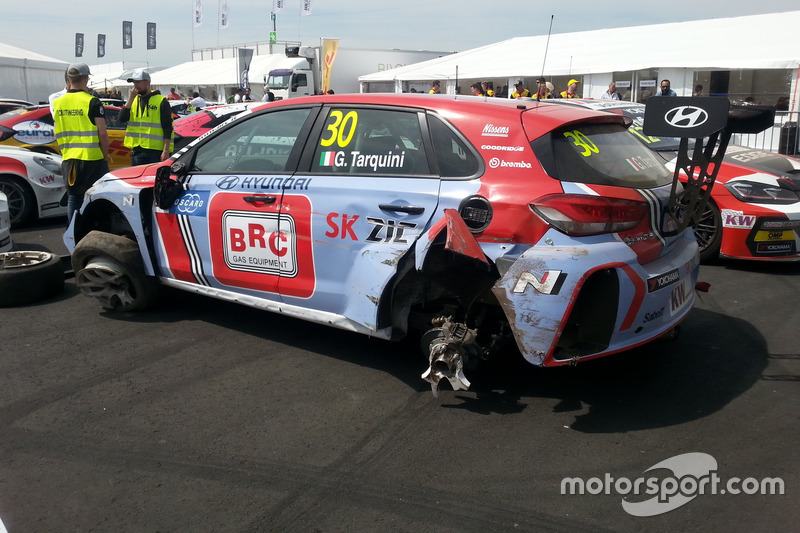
<point x="692" y="475"/>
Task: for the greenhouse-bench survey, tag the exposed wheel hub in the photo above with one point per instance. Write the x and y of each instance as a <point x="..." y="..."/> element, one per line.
<point x="446" y="346"/>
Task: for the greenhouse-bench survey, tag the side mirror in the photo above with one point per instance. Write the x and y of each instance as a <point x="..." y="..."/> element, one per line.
<point x="166" y="190"/>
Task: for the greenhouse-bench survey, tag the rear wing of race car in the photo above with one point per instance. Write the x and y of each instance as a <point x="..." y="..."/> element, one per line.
<point x="710" y="122"/>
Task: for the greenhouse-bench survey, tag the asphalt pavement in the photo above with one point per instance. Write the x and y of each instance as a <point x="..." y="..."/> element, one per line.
<point x="208" y="416"/>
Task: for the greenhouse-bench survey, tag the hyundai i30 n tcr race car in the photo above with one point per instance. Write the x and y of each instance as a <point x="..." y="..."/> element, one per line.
<point x="470" y="222"/>
<point x="754" y="212"/>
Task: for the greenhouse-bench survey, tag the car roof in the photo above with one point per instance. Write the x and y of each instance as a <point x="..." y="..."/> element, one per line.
<point x="541" y="116"/>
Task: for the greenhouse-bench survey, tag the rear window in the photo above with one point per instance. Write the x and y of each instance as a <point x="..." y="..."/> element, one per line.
<point x="600" y="154"/>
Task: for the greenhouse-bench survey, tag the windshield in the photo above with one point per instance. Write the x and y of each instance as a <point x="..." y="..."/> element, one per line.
<point x="279" y="79"/>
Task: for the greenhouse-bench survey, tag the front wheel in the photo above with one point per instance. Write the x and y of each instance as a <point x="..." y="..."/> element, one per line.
<point x="708" y="232"/>
<point x="21" y="202"/>
<point x="109" y="267"/>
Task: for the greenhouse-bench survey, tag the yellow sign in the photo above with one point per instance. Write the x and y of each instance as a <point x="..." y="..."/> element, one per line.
<point x="329" y="48"/>
<point x="766" y="236"/>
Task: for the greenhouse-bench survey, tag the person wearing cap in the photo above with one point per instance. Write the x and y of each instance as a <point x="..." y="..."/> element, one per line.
<point x="572" y="88"/>
<point x="80" y="130"/>
<point x="542" y="92"/>
<point x="149" y="118"/>
<point x="519" y="90"/>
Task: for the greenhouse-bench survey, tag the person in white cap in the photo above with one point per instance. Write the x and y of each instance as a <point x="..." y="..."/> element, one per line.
<point x="80" y="130"/>
<point x="149" y="118"/>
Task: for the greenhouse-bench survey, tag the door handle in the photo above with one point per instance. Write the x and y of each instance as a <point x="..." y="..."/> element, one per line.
<point x="260" y="199"/>
<point x="410" y="209"/>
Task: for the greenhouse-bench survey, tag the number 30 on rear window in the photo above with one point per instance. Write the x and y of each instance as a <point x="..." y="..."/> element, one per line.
<point x="341" y="128"/>
<point x="582" y="143"/>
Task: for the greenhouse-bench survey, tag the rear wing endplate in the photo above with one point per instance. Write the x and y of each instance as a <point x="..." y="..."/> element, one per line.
<point x="710" y="122"/>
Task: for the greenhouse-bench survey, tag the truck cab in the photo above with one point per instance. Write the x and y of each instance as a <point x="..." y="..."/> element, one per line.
<point x="296" y="75"/>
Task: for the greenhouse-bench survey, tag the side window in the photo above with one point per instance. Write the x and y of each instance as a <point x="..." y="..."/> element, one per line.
<point x="299" y="81"/>
<point x="370" y="142"/>
<point x="262" y="143"/>
<point x="455" y="159"/>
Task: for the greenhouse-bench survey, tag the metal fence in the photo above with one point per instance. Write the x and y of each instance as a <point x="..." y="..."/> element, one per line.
<point x="781" y="138"/>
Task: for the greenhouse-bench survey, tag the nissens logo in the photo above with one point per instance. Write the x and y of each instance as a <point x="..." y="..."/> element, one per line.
<point x="686" y="116"/>
<point x="490" y="130"/>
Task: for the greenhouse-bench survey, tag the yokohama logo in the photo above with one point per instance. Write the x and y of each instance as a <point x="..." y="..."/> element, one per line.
<point x="490" y="130"/>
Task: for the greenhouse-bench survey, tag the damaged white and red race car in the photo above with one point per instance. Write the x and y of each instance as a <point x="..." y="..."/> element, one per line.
<point x="471" y="223"/>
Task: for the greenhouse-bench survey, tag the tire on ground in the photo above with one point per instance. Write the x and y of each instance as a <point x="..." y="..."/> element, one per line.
<point x="109" y="267"/>
<point x="709" y="233"/>
<point x="29" y="276"/>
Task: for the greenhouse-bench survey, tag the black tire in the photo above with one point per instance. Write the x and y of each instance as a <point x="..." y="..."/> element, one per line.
<point x="708" y="232"/>
<point x="21" y="201"/>
<point x="109" y="267"/>
<point x="29" y="276"/>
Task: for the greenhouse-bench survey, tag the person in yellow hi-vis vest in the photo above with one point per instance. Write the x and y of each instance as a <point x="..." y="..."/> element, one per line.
<point x="149" y="118"/>
<point x="80" y="130"/>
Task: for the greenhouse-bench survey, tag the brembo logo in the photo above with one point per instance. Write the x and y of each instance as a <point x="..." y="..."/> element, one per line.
<point x="686" y="116"/>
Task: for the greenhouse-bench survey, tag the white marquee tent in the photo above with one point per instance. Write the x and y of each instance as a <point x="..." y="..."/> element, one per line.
<point x="29" y="76"/>
<point x="753" y="42"/>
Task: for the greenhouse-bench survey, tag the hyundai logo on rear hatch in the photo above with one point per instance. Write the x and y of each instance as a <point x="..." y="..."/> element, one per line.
<point x="686" y="116"/>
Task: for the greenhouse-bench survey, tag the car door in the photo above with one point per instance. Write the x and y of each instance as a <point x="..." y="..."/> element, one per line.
<point x="370" y="194"/>
<point x="226" y="230"/>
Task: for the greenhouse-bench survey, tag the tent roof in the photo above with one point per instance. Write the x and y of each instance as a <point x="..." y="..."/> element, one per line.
<point x="9" y="52"/>
<point x="759" y="41"/>
<point x="212" y="71"/>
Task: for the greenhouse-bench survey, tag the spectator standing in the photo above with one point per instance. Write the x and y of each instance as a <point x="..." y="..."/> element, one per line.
<point x="542" y="91"/>
<point x="611" y="93"/>
<point x="80" y="130"/>
<point x="237" y="98"/>
<point x="477" y="90"/>
<point x="269" y="96"/>
<point x="435" y="87"/>
<point x="247" y="96"/>
<point x="519" y="90"/>
<point x="149" y="118"/>
<point x="173" y="95"/>
<point x="196" y="102"/>
<point x="58" y="94"/>
<point x="698" y="90"/>
<point x="572" y="89"/>
<point x="665" y="89"/>
<point x="487" y="88"/>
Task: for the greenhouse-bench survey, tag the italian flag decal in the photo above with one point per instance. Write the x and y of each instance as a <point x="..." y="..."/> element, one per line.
<point x="326" y="159"/>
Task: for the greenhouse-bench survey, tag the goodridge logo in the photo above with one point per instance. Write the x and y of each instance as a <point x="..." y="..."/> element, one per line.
<point x="686" y="116"/>
<point x="497" y="162"/>
<point x="502" y="148"/>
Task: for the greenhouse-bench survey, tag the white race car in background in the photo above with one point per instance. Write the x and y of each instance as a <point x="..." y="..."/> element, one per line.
<point x="33" y="185"/>
<point x="5" y="225"/>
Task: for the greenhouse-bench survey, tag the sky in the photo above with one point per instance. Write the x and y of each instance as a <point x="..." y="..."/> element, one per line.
<point x="49" y="28"/>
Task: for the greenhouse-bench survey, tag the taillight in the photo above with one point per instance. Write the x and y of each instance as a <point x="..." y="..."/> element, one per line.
<point x="577" y="214"/>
